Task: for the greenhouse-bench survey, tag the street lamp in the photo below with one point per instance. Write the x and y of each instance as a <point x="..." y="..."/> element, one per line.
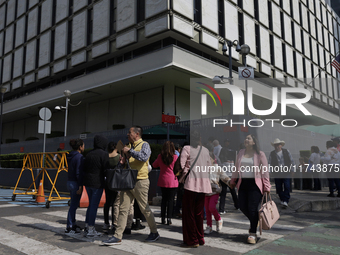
<point x="245" y="49"/>
<point x="67" y="94"/>
<point x="2" y="91"/>
<point x="220" y="79"/>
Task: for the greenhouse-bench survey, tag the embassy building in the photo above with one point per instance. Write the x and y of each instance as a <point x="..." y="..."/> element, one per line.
<point x="128" y="61"/>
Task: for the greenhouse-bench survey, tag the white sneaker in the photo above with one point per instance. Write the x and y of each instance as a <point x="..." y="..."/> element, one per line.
<point x="281" y="202"/>
<point x="92" y="232"/>
<point x="208" y="230"/>
<point x="285" y="204"/>
<point x="219" y="225"/>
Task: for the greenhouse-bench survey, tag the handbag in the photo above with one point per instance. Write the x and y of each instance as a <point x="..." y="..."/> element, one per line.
<point x="268" y="214"/>
<point x="120" y="178"/>
<point x="216" y="188"/>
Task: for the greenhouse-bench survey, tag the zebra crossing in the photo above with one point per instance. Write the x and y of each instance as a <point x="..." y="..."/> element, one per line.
<point x="171" y="236"/>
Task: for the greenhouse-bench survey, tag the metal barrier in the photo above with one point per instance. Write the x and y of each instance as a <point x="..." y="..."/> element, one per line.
<point x="43" y="162"/>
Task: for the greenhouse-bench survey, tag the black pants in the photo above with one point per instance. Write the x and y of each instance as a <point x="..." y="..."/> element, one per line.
<point x="249" y="197"/>
<point x="180" y="191"/>
<point x="168" y="195"/>
<point x="223" y="195"/>
<point x="110" y="199"/>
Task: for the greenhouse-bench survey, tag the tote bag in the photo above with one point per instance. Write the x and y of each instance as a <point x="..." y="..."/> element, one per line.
<point x="120" y="178"/>
<point x="268" y="214"/>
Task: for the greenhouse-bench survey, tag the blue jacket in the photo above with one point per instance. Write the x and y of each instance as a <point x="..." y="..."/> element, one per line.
<point x="75" y="162"/>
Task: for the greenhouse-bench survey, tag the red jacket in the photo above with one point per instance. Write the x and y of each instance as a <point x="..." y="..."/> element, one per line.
<point x="167" y="178"/>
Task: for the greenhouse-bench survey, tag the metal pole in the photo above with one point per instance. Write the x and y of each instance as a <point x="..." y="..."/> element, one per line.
<point x="230" y="75"/>
<point x="2" y="103"/>
<point x="245" y="64"/>
<point x="65" y="131"/>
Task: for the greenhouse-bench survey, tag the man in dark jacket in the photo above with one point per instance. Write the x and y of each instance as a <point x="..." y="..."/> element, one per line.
<point x="281" y="158"/>
<point x="96" y="163"/>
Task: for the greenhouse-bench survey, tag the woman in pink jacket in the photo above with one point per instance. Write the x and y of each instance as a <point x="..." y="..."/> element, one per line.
<point x="253" y="181"/>
<point x="167" y="179"/>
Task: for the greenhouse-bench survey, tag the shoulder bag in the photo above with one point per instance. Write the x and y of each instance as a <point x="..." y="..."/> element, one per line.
<point x="120" y="178"/>
<point x="183" y="178"/>
<point x="268" y="214"/>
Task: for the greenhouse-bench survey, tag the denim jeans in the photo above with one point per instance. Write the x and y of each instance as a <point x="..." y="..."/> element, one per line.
<point x="72" y="187"/>
<point x="94" y="199"/>
<point x="249" y="198"/>
<point x="283" y="192"/>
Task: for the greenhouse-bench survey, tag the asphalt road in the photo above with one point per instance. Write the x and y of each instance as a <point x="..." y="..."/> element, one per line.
<point x="28" y="228"/>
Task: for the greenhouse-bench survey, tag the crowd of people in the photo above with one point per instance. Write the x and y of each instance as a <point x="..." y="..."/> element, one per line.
<point x="197" y="192"/>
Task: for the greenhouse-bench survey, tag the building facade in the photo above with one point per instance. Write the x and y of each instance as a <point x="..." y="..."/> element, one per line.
<point x="128" y="61"/>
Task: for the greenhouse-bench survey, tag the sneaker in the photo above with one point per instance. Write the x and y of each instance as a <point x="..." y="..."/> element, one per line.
<point x="106" y="228"/>
<point x="285" y="204"/>
<point x="208" y="230"/>
<point x="92" y="232"/>
<point x="252" y="239"/>
<point x="281" y="202"/>
<point x="219" y="225"/>
<point x="72" y="230"/>
<point x="222" y="212"/>
<point x="330" y="195"/>
<point x="112" y="241"/>
<point x="127" y="231"/>
<point x="152" y="237"/>
<point x="184" y="245"/>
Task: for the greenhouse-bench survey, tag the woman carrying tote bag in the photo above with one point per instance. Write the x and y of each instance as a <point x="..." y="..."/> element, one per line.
<point x="252" y="182"/>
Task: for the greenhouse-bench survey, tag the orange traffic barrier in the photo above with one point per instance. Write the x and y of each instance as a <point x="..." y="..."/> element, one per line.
<point x="40" y="198"/>
<point x="84" y="200"/>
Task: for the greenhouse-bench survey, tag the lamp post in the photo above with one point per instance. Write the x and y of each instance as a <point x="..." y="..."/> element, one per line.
<point x="245" y="49"/>
<point x="224" y="50"/>
<point x="2" y="91"/>
<point x="67" y="94"/>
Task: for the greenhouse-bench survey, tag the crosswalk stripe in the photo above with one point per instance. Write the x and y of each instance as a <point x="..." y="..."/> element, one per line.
<point x="7" y="205"/>
<point x="127" y="245"/>
<point x="28" y="245"/>
<point x="276" y="226"/>
<point x="219" y="242"/>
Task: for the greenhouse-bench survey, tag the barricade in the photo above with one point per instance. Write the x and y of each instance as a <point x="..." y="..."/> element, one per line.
<point x="43" y="161"/>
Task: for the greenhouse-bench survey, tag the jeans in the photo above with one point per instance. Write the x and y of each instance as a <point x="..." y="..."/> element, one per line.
<point x="223" y="195"/>
<point x="249" y="198"/>
<point x="283" y="192"/>
<point x="72" y="187"/>
<point x="94" y="199"/>
<point x="331" y="182"/>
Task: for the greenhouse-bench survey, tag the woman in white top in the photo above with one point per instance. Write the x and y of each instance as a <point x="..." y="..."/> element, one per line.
<point x="331" y="158"/>
<point x="252" y="182"/>
<point x="315" y="160"/>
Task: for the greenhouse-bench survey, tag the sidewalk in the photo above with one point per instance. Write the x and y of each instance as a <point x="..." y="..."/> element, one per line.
<point x="300" y="200"/>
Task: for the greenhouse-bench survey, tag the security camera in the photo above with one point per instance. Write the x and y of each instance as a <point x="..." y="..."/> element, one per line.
<point x="57" y="107"/>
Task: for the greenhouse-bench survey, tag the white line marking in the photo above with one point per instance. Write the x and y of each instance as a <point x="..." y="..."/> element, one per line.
<point x="30" y="246"/>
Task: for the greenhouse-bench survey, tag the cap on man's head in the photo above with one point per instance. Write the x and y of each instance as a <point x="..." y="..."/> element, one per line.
<point x="336" y="139"/>
<point x="278" y="141"/>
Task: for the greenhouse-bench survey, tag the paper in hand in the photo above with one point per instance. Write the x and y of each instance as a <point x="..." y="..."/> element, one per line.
<point x="120" y="146"/>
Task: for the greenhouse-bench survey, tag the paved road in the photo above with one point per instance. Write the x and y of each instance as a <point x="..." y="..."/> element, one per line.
<point x="27" y="228"/>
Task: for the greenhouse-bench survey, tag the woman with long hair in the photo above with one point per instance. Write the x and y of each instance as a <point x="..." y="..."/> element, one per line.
<point x="75" y="162"/>
<point x="167" y="179"/>
<point x="253" y="181"/>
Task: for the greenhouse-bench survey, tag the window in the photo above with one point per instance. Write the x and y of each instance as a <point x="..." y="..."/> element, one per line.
<point x="140" y="10"/>
<point x="270" y="15"/>
<point x="257" y="13"/>
<point x="284" y="57"/>
<point x="69" y="37"/>
<point x="240" y="28"/>
<point x="89" y="26"/>
<point x="258" y="40"/>
<point x="221" y="28"/>
<point x="272" y="55"/>
<point x="197" y="11"/>
<point x="113" y="15"/>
